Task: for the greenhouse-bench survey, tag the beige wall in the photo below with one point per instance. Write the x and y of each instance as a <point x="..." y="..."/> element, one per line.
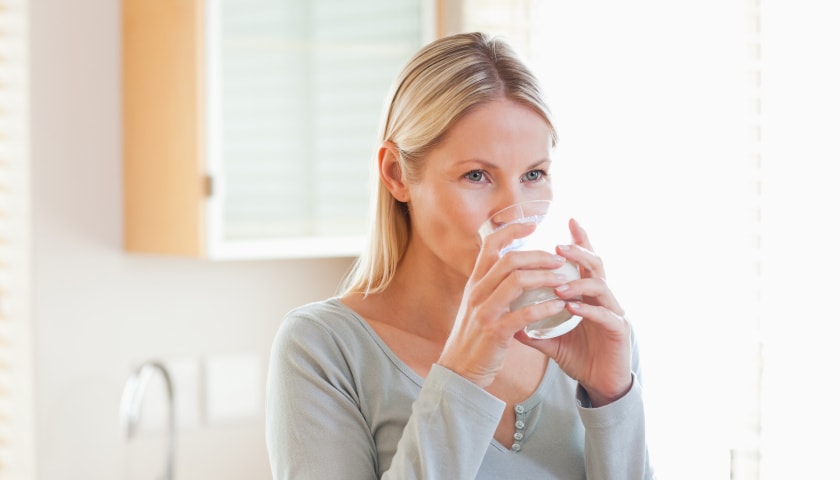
<point x="98" y="311"/>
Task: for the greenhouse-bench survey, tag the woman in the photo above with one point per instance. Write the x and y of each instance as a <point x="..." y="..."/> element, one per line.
<point x="419" y="369"/>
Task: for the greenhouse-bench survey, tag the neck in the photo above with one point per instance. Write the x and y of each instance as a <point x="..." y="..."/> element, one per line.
<point x="427" y="293"/>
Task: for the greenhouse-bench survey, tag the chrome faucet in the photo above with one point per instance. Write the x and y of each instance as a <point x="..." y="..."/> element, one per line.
<point x="132" y="398"/>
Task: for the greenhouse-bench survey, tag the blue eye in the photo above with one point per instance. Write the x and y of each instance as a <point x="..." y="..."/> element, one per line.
<point x="535" y="175"/>
<point x="475" y="176"/>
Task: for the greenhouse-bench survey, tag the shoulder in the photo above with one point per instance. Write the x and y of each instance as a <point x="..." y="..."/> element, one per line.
<point x="321" y="331"/>
<point x="327" y="312"/>
<point x="323" y="318"/>
<point x="324" y="346"/>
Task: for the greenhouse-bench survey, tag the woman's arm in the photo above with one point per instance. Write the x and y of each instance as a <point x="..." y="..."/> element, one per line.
<point x="451" y="425"/>
<point x="615" y="441"/>
<point x="316" y="428"/>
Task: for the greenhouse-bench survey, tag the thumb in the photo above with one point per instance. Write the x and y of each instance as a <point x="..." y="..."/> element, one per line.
<point x="545" y="345"/>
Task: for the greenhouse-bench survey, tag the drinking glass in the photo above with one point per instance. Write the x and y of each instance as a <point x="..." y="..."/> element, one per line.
<point x="551" y="230"/>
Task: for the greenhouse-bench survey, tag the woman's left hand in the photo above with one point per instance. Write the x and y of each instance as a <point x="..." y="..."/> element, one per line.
<point x="596" y="353"/>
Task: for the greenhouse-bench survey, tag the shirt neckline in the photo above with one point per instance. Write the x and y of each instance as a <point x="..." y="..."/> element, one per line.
<point x="549" y="374"/>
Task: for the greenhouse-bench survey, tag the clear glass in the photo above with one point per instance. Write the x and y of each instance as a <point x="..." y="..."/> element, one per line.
<point x="551" y="231"/>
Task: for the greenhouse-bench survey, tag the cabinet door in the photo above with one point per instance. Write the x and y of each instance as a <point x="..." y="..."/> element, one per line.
<point x="294" y="94"/>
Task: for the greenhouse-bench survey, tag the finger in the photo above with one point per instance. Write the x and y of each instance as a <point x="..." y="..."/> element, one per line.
<point x="604" y="317"/>
<point x="591" y="265"/>
<point x="579" y="235"/>
<point x="493" y="245"/>
<point x="502" y="237"/>
<point x="519" y="319"/>
<point x="548" y="347"/>
<point x="517" y="272"/>
<point x="594" y="288"/>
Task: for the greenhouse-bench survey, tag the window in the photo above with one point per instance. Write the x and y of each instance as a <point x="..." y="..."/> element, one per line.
<point x="300" y="91"/>
<point x="254" y="138"/>
<point x="16" y="418"/>
<point x="698" y="144"/>
<point x="800" y="234"/>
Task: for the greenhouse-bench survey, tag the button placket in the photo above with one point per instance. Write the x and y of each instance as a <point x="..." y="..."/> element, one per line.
<point x="519" y="434"/>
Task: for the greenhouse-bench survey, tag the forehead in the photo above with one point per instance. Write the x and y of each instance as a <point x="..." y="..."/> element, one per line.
<point x="499" y="129"/>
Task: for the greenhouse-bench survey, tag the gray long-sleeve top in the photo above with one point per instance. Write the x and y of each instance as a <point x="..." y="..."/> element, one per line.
<point x="341" y="404"/>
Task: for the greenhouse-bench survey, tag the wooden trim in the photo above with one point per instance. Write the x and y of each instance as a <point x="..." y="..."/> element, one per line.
<point x="163" y="155"/>
<point x="448" y="17"/>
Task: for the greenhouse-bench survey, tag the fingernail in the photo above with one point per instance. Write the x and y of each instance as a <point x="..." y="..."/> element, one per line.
<point x="563" y="247"/>
<point x="574" y="305"/>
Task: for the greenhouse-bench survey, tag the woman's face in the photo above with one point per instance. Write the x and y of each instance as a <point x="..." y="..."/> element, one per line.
<point x="496" y="155"/>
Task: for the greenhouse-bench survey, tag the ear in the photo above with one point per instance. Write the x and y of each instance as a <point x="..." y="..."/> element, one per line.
<point x="391" y="173"/>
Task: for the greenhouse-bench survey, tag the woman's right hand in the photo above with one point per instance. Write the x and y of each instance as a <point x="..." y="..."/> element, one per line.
<point x="485" y="326"/>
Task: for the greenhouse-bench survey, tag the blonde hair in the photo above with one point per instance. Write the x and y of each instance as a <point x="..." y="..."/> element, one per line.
<point x="438" y="86"/>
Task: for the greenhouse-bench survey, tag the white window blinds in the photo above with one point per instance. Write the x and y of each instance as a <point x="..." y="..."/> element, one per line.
<point x="800" y="250"/>
<point x="302" y="87"/>
<point x="16" y="427"/>
<point x="655" y="105"/>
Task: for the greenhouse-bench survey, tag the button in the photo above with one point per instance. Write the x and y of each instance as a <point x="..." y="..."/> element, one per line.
<point x="518" y="436"/>
<point x="519" y="409"/>
<point x="519" y="424"/>
<point x="516" y="447"/>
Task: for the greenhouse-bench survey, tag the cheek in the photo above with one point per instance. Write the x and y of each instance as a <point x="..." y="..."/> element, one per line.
<point x="461" y="230"/>
<point x="453" y="225"/>
<point x="448" y="223"/>
<point x="462" y="218"/>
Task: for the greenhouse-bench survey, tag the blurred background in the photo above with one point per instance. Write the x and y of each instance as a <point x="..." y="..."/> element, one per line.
<point x="699" y="144"/>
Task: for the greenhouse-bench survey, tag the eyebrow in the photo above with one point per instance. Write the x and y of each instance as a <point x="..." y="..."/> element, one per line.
<point x="490" y="165"/>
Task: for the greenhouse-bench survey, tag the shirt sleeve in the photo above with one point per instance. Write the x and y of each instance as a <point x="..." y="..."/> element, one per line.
<point x="315" y="428"/>
<point x="449" y="422"/>
<point x="615" y="445"/>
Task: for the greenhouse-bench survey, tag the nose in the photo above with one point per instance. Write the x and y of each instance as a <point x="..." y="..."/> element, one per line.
<point x="509" y="196"/>
<point x="499" y="213"/>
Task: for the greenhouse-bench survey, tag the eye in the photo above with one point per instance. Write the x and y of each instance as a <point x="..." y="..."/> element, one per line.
<point x="535" y="175"/>
<point x="475" y="176"/>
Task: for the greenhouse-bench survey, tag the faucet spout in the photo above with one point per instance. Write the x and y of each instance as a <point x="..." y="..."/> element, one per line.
<point x="132" y="399"/>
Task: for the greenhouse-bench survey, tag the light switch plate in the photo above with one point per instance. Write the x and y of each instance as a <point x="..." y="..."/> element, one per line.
<point x="234" y="386"/>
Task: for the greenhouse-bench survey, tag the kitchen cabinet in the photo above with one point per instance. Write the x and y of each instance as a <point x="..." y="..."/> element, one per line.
<point x="249" y="126"/>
